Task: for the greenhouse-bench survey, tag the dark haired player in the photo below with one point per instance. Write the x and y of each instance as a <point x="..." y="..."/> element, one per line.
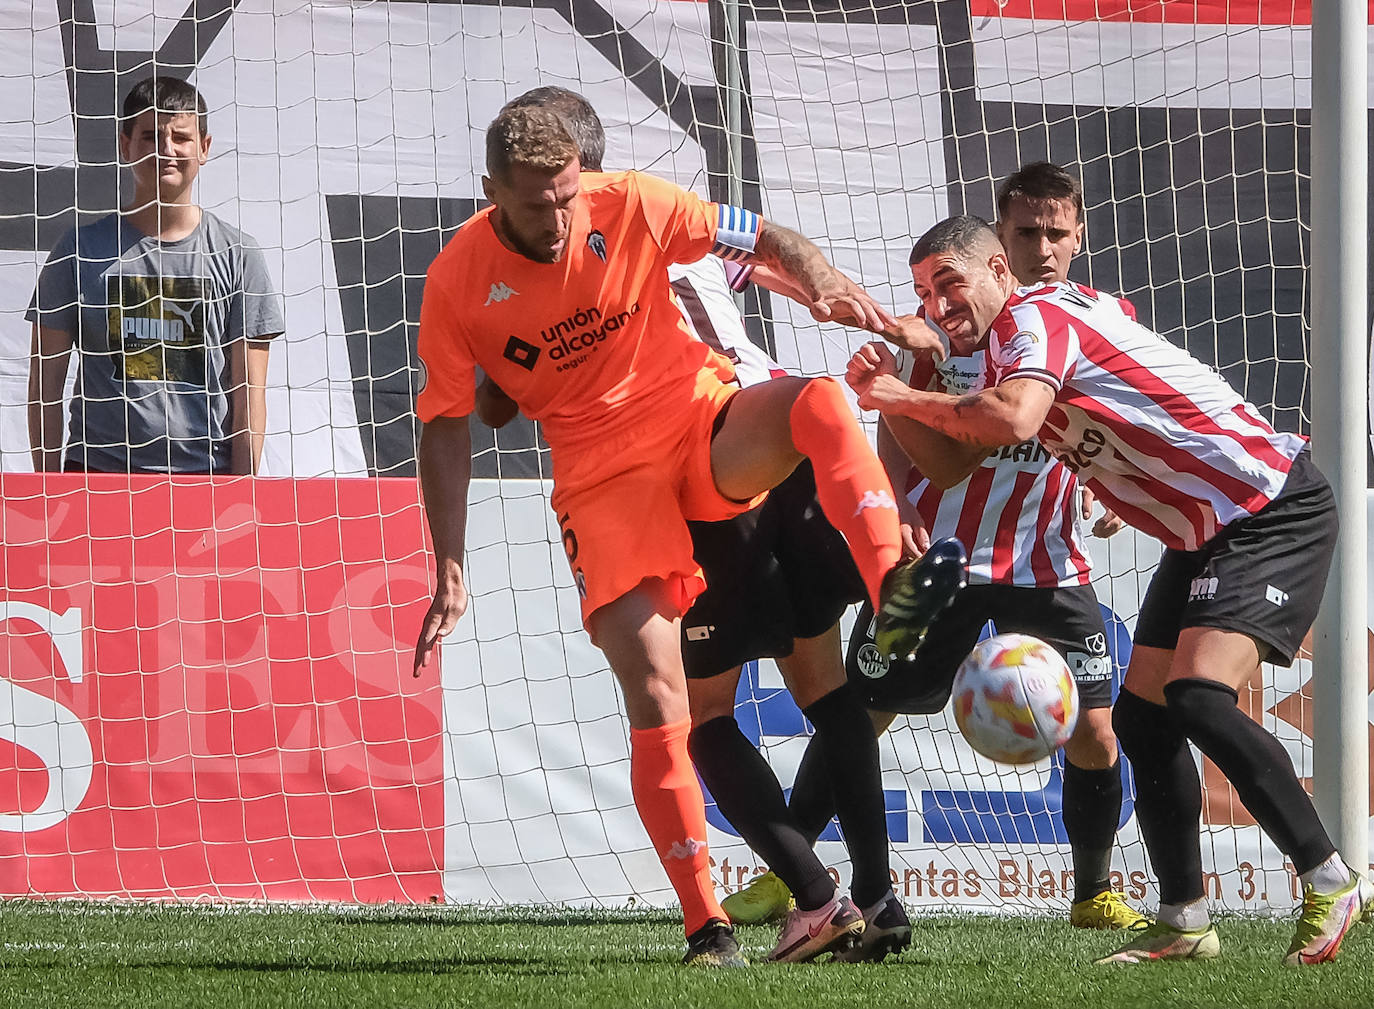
<point x="1028" y="568"/>
<point x="1248" y="522"/>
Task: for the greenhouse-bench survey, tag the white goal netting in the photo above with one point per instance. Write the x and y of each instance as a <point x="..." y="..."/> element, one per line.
<point x="205" y="686"/>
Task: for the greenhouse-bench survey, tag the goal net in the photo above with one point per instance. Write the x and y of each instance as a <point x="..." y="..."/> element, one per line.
<point x="205" y="685"/>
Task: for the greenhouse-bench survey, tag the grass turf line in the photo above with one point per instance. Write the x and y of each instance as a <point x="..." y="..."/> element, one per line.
<point x="68" y="956"/>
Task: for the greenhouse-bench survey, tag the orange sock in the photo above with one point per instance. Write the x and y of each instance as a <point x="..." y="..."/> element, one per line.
<point x="853" y="489"/>
<point x="668" y="797"/>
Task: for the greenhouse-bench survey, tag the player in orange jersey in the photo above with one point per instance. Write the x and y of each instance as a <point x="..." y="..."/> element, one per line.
<point x="559" y="292"/>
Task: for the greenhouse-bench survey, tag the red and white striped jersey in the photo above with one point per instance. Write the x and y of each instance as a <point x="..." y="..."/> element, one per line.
<point x="705" y="296"/>
<point x="1161" y="438"/>
<point x="1017" y="514"/>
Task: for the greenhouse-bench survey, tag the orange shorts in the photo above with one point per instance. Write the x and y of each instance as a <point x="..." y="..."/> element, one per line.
<point x="623" y="507"/>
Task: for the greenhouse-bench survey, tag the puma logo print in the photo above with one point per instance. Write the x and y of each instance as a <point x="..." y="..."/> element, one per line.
<point x="183" y="313"/>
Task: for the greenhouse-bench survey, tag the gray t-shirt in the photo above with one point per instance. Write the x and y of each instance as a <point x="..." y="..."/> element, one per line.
<point x="152" y="321"/>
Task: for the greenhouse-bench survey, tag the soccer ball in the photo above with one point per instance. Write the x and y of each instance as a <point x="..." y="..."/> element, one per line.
<point x="1014" y="699"/>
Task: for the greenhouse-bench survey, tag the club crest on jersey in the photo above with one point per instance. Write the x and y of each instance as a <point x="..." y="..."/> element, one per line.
<point x="499" y="292"/>
<point x="872" y="663"/>
<point x="596" y="241"/>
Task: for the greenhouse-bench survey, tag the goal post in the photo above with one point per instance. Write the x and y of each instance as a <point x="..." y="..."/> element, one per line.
<point x="1340" y="349"/>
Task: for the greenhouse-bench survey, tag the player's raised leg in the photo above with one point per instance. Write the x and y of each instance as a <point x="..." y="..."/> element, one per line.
<point x="765" y="433"/>
<point x="638" y="632"/>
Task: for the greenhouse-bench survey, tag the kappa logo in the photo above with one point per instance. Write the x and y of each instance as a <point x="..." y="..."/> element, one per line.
<point x="500" y="292"/>
<point x="875" y="499"/>
<point x="596" y="241"/>
<point x="1276" y="596"/>
<point x="1203" y="588"/>
<point x="519" y="352"/>
<point x="689" y="848"/>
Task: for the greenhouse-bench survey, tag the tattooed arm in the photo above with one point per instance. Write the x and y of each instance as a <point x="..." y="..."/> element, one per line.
<point x="831" y="296"/>
<point x="971" y="425"/>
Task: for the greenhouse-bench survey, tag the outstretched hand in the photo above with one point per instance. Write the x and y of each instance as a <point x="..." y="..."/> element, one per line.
<point x="913" y="333"/>
<point x="450" y="603"/>
<point x="850" y="305"/>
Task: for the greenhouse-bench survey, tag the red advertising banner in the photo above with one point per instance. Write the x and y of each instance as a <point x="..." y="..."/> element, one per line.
<point x="1189" y="12"/>
<point x="205" y="690"/>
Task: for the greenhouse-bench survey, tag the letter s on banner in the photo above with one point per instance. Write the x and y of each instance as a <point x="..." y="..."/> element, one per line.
<point x="48" y="729"/>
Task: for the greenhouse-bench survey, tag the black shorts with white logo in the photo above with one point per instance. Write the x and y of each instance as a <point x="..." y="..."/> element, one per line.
<point x="1263" y="575"/>
<point x="1069" y="618"/>
<point x="778" y="572"/>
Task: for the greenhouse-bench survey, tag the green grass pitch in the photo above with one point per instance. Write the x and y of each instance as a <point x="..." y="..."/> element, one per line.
<point x="64" y="956"/>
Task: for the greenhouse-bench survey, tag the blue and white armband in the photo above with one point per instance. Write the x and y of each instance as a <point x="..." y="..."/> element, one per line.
<point x="737" y="232"/>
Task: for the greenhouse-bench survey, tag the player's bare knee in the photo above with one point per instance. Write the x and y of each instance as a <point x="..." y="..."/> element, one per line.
<point x="1148" y="672"/>
<point x="1093" y="743"/>
<point x="713" y="696"/>
<point x="654" y="698"/>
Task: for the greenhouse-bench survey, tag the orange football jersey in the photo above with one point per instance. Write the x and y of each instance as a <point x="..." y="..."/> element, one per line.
<point x="590" y="341"/>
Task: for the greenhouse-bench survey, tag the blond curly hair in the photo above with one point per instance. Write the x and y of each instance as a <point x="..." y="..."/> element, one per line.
<point x="535" y="137"/>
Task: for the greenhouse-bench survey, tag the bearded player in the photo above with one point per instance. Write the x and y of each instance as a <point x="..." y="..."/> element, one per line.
<point x="1018" y="513"/>
<point x="559" y="292"/>
<point x="1249" y="527"/>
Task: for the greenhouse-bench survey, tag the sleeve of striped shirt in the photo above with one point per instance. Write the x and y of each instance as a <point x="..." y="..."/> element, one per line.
<point x="1028" y="345"/>
<point x="738" y="275"/>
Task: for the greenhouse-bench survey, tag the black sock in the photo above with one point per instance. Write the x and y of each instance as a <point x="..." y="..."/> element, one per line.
<point x="1092" y="808"/>
<point x="1168" y="794"/>
<point x="1257" y="766"/>
<point x="845" y="736"/>
<point x="812" y="805"/>
<point x="748" y="795"/>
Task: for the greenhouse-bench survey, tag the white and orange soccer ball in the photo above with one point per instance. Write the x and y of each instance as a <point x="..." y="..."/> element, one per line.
<point x="1014" y="699"/>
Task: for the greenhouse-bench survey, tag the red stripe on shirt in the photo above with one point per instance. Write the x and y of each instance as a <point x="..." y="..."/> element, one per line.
<point x="1004" y="540"/>
<point x="975" y="501"/>
<point x="1138" y="518"/>
<point x="1041" y="564"/>
<point x="1112" y="359"/>
<point x="1068" y="523"/>
<point x="1152" y="444"/>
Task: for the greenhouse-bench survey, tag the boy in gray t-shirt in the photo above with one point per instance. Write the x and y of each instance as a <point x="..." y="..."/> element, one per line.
<point x="170" y="310"/>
